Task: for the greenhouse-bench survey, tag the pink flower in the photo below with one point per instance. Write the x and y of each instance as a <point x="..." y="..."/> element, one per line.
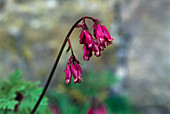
<point x="77" y="73"/>
<point x="96" y="49"/>
<point x="97" y="107"/>
<point x="68" y="74"/>
<point x="99" y="33"/>
<point x="97" y="44"/>
<point x="107" y="35"/>
<point x="100" y="110"/>
<point x="88" y="38"/>
<point x="82" y="37"/>
<point x="87" y="53"/>
<point x="102" y="35"/>
<point x="73" y="68"/>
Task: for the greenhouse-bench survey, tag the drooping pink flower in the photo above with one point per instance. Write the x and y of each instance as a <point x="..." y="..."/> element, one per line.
<point x="77" y="73"/>
<point x="73" y="68"/>
<point x="82" y="37"/>
<point x="88" y="38"/>
<point x="97" y="44"/>
<point x="79" y="70"/>
<point x="96" y="49"/>
<point x="99" y="33"/>
<point x="107" y="35"/>
<point x="68" y="74"/>
<point x="87" y="53"/>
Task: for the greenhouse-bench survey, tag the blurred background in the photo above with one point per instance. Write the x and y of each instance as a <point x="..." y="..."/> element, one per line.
<point x="131" y="76"/>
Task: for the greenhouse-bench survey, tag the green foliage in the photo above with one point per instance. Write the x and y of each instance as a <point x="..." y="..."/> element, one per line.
<point x="67" y="104"/>
<point x="73" y="98"/>
<point x="96" y="83"/>
<point x="29" y="90"/>
<point x="119" y="104"/>
<point x="70" y="98"/>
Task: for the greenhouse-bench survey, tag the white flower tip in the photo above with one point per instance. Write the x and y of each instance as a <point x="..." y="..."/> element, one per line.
<point x="98" y="53"/>
<point x="67" y="81"/>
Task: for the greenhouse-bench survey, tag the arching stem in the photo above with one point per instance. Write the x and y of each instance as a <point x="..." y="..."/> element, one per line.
<point x="56" y="63"/>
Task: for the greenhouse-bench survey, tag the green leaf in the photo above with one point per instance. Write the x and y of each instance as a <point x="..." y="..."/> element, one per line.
<point x="29" y="90"/>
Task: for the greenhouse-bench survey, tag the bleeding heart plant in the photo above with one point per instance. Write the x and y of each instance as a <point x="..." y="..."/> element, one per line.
<point x="92" y="43"/>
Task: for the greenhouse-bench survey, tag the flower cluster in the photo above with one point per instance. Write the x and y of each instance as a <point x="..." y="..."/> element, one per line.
<point x="92" y="43"/>
<point x="96" y="43"/>
<point x="73" y="68"/>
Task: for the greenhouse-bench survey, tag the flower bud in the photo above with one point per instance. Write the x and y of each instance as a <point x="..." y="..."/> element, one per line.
<point x="82" y="37"/>
<point x="78" y="79"/>
<point x="68" y="74"/>
<point x="106" y="34"/>
<point x="74" y="70"/>
<point x="88" y="38"/>
<point x="96" y="49"/>
<point x="99" y="33"/>
<point x="77" y="73"/>
<point x="87" y="53"/>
